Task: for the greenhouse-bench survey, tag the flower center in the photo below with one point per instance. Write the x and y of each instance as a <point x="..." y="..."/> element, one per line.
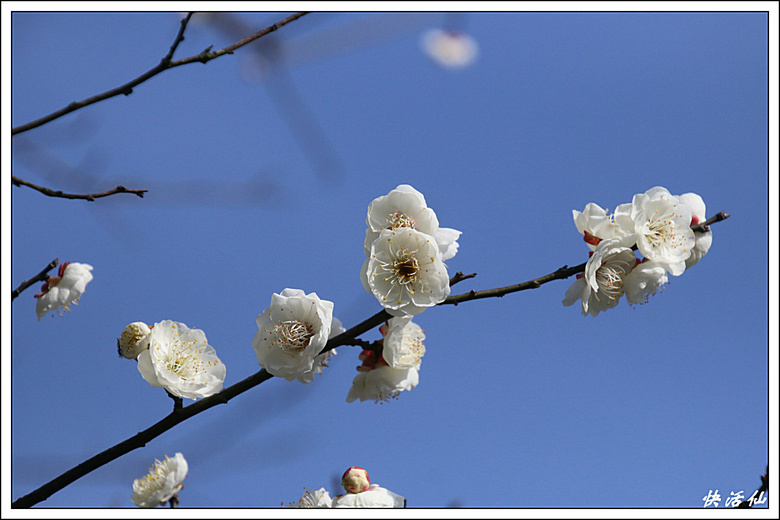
<point x="292" y="335"/>
<point x="406" y="267"/>
<point x="663" y="231"/>
<point x="609" y="278"/>
<point x="398" y="219"/>
<point x="183" y="358"/>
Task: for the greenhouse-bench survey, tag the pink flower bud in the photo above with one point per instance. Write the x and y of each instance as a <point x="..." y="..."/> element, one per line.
<point x="355" y="480"/>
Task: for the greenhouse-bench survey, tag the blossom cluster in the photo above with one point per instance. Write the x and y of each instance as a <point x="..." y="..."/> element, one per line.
<point x="658" y="225"/>
<point x="405" y="253"/>
<point x="359" y="493"/>
<point x="404" y="270"/>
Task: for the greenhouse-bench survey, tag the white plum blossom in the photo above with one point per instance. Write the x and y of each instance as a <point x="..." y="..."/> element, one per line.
<point x="318" y="498"/>
<point x="450" y="49"/>
<point x="61" y="291"/>
<point x="703" y="239"/>
<point x="162" y="482"/>
<point x="596" y="224"/>
<point x="377" y="381"/>
<point x="134" y="340"/>
<point x="602" y="284"/>
<point x="405" y="207"/>
<point x="180" y="360"/>
<point x="291" y="333"/>
<point x="402" y="346"/>
<point x="663" y="227"/>
<point x="405" y="272"/>
<point x="644" y="280"/>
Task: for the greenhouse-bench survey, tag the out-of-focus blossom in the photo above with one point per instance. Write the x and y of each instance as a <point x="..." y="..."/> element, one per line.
<point x="450" y="49"/>
<point x="162" y="483"/>
<point x="134" y="340"/>
<point x="180" y="360"/>
<point x="61" y="291"/>
<point x="291" y="333"/>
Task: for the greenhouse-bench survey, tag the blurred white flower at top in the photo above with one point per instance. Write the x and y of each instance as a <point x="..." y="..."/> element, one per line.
<point x="450" y="49"/>
<point x="313" y="499"/>
<point x="292" y="332"/>
<point x="59" y="292"/>
<point x="164" y="480"/>
<point x="180" y="360"/>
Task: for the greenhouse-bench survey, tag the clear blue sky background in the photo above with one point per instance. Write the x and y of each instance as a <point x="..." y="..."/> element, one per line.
<point x="260" y="181"/>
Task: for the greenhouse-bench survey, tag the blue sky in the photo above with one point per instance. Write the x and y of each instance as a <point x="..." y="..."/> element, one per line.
<point x="258" y="181"/>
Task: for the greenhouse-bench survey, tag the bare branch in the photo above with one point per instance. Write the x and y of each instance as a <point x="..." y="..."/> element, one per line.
<point x="165" y="64"/>
<point x="40" y="277"/>
<point x="16" y="181"/>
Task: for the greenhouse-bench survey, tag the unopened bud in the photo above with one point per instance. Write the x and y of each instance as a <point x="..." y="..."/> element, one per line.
<point x="355" y="480"/>
<point x="134" y="340"/>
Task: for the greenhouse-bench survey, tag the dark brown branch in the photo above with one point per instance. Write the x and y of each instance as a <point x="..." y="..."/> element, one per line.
<point x="705" y="226"/>
<point x="16" y="181"/>
<point x="178" y="415"/>
<point x="40" y="277"/>
<point x="165" y="64"/>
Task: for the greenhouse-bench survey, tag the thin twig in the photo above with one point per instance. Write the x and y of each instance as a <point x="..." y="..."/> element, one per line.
<point x="16" y="181"/>
<point x="165" y="64"/>
<point x="705" y="226"/>
<point x="40" y="277"/>
<point x="178" y="415"/>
